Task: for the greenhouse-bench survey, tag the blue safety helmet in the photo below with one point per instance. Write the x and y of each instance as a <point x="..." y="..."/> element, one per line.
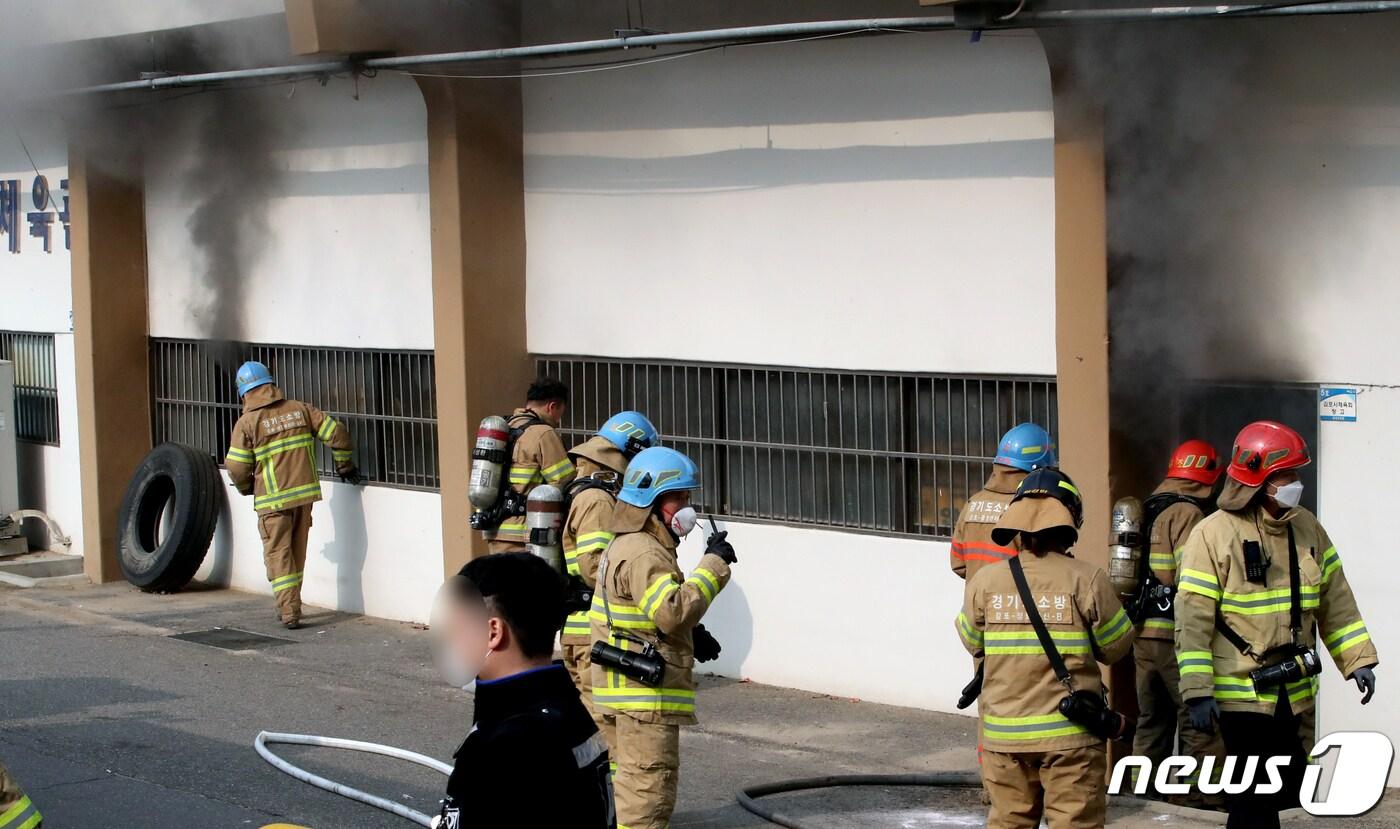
<point x="630" y="432"/>
<point x="655" y="471"/>
<point x="251" y="375"/>
<point x="1026" y="447"/>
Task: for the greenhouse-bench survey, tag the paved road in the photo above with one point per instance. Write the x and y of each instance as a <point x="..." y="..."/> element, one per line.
<point x="109" y="722"/>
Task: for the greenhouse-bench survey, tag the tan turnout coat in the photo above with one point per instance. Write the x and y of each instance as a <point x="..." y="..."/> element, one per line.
<point x="272" y="451"/>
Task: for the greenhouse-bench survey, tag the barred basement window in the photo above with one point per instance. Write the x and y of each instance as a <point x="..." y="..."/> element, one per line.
<point x="385" y="398"/>
<point x="894" y="454"/>
<point x="36" y="385"/>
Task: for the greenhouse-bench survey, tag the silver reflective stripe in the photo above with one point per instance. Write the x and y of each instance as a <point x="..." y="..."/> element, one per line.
<point x="586" y="753"/>
<point x="1032" y="640"/>
<point x="27" y="814"/>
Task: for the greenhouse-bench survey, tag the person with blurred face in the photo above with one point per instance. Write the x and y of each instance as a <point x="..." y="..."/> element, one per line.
<point x="1260" y="583"/>
<point x="533" y="756"/>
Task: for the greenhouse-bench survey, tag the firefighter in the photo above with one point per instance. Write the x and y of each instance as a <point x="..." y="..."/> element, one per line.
<point x="16" y="809"/>
<point x="272" y="457"/>
<point x="1236" y="616"/>
<point x="644" y="603"/>
<point x="1023" y="448"/>
<point x="537" y="457"/>
<point x="1176" y="506"/>
<point x="1038" y="763"/>
<point x="599" y="463"/>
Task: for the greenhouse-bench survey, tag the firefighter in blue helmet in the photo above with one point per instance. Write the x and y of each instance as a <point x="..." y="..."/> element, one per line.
<point x="272" y="457"/>
<point x="646" y="606"/>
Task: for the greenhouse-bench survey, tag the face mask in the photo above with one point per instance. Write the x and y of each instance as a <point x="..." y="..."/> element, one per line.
<point x="683" y="521"/>
<point x="1289" y="496"/>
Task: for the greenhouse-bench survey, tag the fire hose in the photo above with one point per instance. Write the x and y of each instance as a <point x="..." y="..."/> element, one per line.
<point x="265" y="737"/>
<point x="748" y="798"/>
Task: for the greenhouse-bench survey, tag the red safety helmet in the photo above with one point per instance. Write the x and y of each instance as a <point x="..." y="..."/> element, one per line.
<point x="1263" y="448"/>
<point x="1195" y="460"/>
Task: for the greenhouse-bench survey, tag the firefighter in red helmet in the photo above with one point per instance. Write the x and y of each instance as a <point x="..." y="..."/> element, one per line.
<point x="1261" y="583"/>
<point x="1176" y="506"/>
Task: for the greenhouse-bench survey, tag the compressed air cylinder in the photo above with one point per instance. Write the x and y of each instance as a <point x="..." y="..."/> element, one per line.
<point x="488" y="462"/>
<point x="1125" y="543"/>
<point x="544" y="521"/>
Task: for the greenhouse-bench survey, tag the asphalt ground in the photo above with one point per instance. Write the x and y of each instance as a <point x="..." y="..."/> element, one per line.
<point x="109" y="722"/>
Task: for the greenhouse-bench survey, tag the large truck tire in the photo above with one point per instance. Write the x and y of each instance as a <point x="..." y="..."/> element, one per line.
<point x="167" y="517"/>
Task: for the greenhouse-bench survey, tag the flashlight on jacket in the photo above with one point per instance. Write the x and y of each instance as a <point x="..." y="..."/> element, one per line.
<point x="646" y="666"/>
<point x="1300" y="663"/>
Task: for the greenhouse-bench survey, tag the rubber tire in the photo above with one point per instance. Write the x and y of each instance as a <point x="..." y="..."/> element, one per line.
<point x="189" y="477"/>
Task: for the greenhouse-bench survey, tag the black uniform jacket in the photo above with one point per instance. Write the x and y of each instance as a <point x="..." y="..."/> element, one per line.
<point x="533" y="758"/>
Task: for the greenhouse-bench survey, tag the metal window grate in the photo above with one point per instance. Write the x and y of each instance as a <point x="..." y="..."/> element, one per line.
<point x="894" y="454"/>
<point x="385" y="398"/>
<point x="36" y="384"/>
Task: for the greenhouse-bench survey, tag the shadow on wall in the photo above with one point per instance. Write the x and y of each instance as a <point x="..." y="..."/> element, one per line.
<point x="731" y="622"/>
<point x="31" y="492"/>
<point x="348" y="547"/>
<point x="218" y="562"/>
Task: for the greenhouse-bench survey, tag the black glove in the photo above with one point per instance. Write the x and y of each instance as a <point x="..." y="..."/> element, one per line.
<point x="706" y="646"/>
<point x="717" y="545"/>
<point x="351" y="475"/>
<point x="1365" y="682"/>
<point x="1204" y="713"/>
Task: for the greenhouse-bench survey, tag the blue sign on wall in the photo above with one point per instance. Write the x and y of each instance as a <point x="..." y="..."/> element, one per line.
<point x="1337" y="404"/>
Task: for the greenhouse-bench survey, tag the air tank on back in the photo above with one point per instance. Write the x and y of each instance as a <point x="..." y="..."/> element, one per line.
<point x="544" y="522"/>
<point x="488" y="462"/>
<point x="1125" y="545"/>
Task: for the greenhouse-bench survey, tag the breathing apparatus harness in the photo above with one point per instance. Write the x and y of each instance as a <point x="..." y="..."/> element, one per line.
<point x="647" y="666"/>
<point x="1285" y="663"/>
<point x="580" y="595"/>
<point x="1155" y="600"/>
<point x="509" y="504"/>
<point x="1084" y="708"/>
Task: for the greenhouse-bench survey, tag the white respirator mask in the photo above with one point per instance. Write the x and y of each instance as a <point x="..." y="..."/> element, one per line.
<point x="683" y="521"/>
<point x="1290" y="495"/>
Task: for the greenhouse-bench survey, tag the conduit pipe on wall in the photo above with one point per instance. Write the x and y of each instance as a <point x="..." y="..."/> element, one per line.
<point x="750" y="34"/>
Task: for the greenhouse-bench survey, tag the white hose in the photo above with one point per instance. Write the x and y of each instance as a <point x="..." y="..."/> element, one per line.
<point x="265" y="737"/>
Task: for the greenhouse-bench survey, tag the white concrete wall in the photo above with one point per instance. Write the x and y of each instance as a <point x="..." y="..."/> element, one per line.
<point x="865" y="204"/>
<point x="36" y="295"/>
<point x="338" y="257"/>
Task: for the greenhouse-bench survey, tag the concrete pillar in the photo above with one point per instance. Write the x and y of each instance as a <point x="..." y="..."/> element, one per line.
<point x="107" y="204"/>
<point x="477" y="203"/>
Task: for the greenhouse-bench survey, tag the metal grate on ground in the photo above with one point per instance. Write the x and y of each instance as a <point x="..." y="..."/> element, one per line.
<point x="386" y="399"/>
<point x="886" y="453"/>
<point x="36" y="384"/>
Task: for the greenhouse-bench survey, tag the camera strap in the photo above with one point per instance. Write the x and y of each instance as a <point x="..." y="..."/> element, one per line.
<point x="1295" y="612"/>
<point x="1057" y="663"/>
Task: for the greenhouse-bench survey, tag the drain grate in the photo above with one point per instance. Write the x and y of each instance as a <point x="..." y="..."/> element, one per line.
<point x="232" y="639"/>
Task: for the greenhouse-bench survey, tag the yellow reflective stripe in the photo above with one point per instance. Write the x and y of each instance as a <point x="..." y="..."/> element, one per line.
<point x="642" y="698"/>
<point x="1029" y="728"/>
<point x="1026" y="643"/>
<point x="1195" y="662"/>
<point x="1199" y="582"/>
<point x="660" y="589"/>
<point x="328" y="427"/>
<point x="559" y="471"/>
<point x="1162" y="561"/>
<point x="577" y="624"/>
<point x="339" y="455"/>
<point x="239" y="455"/>
<point x="13" y="813"/>
<point x="524" y="475"/>
<point x="1112" y="630"/>
<point x="970" y="634"/>
<point x="1341" y="641"/>
<point x="1234" y="689"/>
<point x="1268" y="601"/>
<point x="1158" y="624"/>
<point x="276" y="500"/>
<point x="624" y="616"/>
<point x="283" y="582"/>
<point x="707" y="582"/>
<point x="594" y="540"/>
<point x="1331" y="563"/>
<point x="281" y="445"/>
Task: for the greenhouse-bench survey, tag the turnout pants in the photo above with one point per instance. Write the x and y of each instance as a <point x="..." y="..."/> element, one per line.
<point x="16" y="810"/>
<point x="284" y="552"/>
<point x="648" y="769"/>
<point x="494" y="546"/>
<point x="1065" y="788"/>
<point x="1164" y="715"/>
<point x="580" y="665"/>
<point x="1266" y="735"/>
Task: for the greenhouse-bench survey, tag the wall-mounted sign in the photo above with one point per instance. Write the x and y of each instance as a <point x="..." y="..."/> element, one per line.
<point x="1337" y="404"/>
<point x="40" y="220"/>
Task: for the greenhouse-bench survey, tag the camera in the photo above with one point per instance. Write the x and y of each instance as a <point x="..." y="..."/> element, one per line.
<point x="1091" y="711"/>
<point x="1289" y="663"/>
<point x="646" y="666"/>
